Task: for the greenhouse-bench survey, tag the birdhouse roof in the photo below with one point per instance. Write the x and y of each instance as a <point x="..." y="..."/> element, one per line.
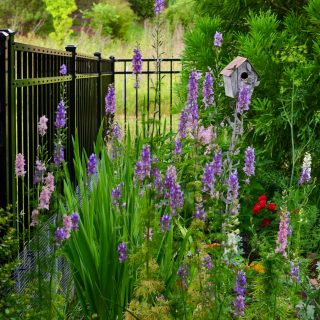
<point x="232" y="66"/>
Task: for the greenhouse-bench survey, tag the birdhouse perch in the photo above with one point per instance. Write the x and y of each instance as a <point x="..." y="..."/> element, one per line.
<point x="236" y="72"/>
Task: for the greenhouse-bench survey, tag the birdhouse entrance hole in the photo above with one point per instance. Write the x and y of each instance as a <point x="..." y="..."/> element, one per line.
<point x="244" y="75"/>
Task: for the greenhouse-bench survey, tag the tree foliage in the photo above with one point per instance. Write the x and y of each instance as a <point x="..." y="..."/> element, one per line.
<point x="24" y="16"/>
<point x="142" y="8"/>
<point x="62" y="22"/>
<point x="281" y="40"/>
<point x="112" y="18"/>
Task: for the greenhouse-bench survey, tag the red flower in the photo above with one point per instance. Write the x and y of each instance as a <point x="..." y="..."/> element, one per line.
<point x="262" y="198"/>
<point x="272" y="207"/>
<point x="263" y="203"/>
<point x="266" y="222"/>
<point x="256" y="208"/>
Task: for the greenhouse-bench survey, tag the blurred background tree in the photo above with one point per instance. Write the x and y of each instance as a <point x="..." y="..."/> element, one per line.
<point x="25" y="16"/>
<point x="112" y="17"/>
<point x="60" y="11"/>
<point x="142" y="8"/>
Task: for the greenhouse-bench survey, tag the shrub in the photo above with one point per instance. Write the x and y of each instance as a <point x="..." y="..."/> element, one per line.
<point x="111" y="18"/>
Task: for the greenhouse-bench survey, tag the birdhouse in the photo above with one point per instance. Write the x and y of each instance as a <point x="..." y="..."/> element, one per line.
<point x="236" y="72"/>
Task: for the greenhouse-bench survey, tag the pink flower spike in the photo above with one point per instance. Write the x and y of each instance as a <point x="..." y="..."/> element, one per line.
<point x="67" y="224"/>
<point x="19" y="165"/>
<point x="42" y="126"/>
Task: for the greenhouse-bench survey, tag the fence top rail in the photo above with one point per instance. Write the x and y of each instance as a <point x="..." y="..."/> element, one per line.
<point x="84" y="56"/>
<point x="144" y="72"/>
<point x="31" y="48"/>
<point x="150" y="60"/>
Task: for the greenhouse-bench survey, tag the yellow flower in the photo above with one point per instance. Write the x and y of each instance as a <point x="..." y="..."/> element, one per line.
<point x="258" y="267"/>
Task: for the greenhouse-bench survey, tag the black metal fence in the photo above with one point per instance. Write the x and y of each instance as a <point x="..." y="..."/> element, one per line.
<point x="30" y="87"/>
<point x="142" y="101"/>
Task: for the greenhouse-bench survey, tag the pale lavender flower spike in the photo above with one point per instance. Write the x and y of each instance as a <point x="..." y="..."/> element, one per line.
<point x="284" y="231"/>
<point x="42" y="125"/>
<point x="306" y="169"/>
<point x="20" y="165"/>
<point x="218" y="39"/>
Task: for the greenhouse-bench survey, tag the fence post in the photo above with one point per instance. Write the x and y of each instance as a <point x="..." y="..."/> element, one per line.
<point x="7" y="118"/>
<point x="73" y="114"/>
<point x="4" y="38"/>
<point x="112" y="59"/>
<point x="99" y="89"/>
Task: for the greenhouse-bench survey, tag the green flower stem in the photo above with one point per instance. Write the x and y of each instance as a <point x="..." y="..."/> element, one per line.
<point x="292" y="136"/>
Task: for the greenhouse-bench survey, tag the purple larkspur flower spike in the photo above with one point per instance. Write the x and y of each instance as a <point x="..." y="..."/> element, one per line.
<point x="295" y="271"/>
<point x="183" y="273"/>
<point x="75" y="220"/>
<point x="123" y="251"/>
<point x="177" y="147"/>
<point x="58" y="154"/>
<point x="208" y="179"/>
<point x="60" y="235"/>
<point x="240" y="289"/>
<point x="159" y="6"/>
<point x="116" y="194"/>
<point x="61" y="116"/>
<point x="200" y="214"/>
<point x="110" y="100"/>
<point x="207" y="90"/>
<point x="217" y="163"/>
<point x="63" y="69"/>
<point x="189" y="116"/>
<point x="39" y="171"/>
<point x="143" y="166"/>
<point x="249" y="163"/>
<point x="137" y="65"/>
<point x="207" y="262"/>
<point x="233" y="186"/>
<point x="92" y="165"/>
<point x="165" y="223"/>
<point x="117" y="131"/>
<point x="244" y="98"/>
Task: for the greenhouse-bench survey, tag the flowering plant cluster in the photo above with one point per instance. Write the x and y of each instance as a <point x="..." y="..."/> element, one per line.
<point x="161" y="230"/>
<point x="70" y="222"/>
<point x="261" y="206"/>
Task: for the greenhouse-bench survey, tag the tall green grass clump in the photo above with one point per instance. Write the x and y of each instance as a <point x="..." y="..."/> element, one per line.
<point x="103" y="283"/>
